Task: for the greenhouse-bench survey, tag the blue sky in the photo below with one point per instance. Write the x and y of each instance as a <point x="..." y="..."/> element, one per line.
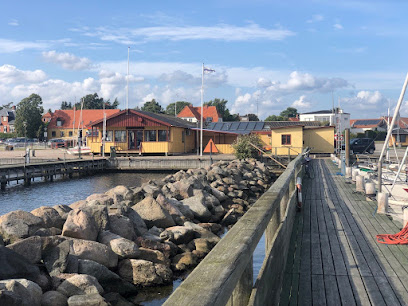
<point x="268" y="55"/>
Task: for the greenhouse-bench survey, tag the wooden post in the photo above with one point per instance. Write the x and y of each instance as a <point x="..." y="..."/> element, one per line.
<point x="242" y="292"/>
<point x="382" y="199"/>
<point x="3" y="182"/>
<point x="347" y="146"/>
<point x="379" y="176"/>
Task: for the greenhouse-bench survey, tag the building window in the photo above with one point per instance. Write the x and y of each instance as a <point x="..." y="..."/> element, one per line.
<point x="403" y="138"/>
<point x="62" y="134"/>
<point x="120" y="136"/>
<point x="53" y="134"/>
<point x="163" y="135"/>
<point x="286" y="140"/>
<point x="59" y="122"/>
<point x="70" y="133"/>
<point x="150" y="135"/>
<point x="4" y="119"/>
<point x="109" y="135"/>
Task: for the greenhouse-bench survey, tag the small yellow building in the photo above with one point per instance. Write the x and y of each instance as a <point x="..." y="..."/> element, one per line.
<point x="133" y="131"/>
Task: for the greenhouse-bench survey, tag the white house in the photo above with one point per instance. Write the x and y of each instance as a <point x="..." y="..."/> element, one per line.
<point x="337" y="117"/>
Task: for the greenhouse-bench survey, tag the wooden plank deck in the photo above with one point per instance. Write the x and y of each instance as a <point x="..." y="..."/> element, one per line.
<point x="334" y="258"/>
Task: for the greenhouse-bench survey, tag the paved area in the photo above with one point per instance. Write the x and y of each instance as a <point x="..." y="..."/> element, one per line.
<point x="334" y="258"/>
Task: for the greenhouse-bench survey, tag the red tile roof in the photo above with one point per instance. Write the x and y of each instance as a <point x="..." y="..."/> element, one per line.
<point x="88" y="117"/>
<point x="403" y="121"/>
<point x="190" y="111"/>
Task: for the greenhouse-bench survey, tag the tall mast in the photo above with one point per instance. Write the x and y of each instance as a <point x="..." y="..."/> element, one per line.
<point x="202" y="111"/>
<point x="127" y="83"/>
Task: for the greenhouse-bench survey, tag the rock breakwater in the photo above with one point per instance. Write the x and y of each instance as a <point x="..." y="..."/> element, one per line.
<point x="103" y="249"/>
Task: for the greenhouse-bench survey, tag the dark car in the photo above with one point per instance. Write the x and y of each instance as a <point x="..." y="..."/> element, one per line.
<point x="362" y="145"/>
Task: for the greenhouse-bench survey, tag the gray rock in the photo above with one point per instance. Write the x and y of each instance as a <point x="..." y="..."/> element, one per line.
<point x="144" y="273"/>
<point x="78" y="204"/>
<point x="178" y="234"/>
<point x="151" y="190"/>
<point x="175" y="213"/>
<point x="80" y="224"/>
<point x="50" y="216"/>
<point x="10" y="298"/>
<point x="34" y="291"/>
<point x="19" y="224"/>
<point x="53" y="231"/>
<point x="185" y="210"/>
<point x="63" y="210"/>
<point x="56" y="257"/>
<point x="202" y="232"/>
<point x="100" y="199"/>
<point x="122" y="226"/>
<point x="87" y="300"/>
<point x="109" y="280"/>
<point x="30" y="248"/>
<point x="198" y="208"/>
<point x="85" y="249"/>
<point x="154" y="256"/>
<point x="80" y="284"/>
<point x="183" y="188"/>
<point x="218" y="194"/>
<point x="115" y="299"/>
<point x="184" y="261"/>
<point x="15" y="292"/>
<point x="53" y="298"/>
<point x="153" y="214"/>
<point x="100" y="214"/>
<point x="13" y="265"/>
<point x="120" y="193"/>
<point x="138" y="224"/>
<point x="123" y="247"/>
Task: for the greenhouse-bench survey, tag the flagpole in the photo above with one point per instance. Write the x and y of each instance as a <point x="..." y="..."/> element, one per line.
<point x="202" y="110"/>
<point x="127" y="84"/>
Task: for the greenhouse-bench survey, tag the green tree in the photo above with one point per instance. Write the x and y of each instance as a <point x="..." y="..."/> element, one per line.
<point x="66" y="105"/>
<point x="222" y="109"/>
<point x="243" y="148"/>
<point x="274" y="118"/>
<point x="179" y="106"/>
<point x="252" y="117"/>
<point x="290" y="112"/>
<point x="28" y="116"/>
<point x="153" y="107"/>
<point x="92" y="101"/>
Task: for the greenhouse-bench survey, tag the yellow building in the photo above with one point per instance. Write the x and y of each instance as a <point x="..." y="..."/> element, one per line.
<point x="133" y="131"/>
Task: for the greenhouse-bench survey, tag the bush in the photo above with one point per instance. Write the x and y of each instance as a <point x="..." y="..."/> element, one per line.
<point x="244" y="149"/>
<point x="7" y="135"/>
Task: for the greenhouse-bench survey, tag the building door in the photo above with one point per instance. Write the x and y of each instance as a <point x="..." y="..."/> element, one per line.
<point x="132" y="143"/>
<point x="139" y="138"/>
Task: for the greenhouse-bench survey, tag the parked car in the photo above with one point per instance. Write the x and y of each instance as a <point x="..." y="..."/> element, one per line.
<point x="362" y="145"/>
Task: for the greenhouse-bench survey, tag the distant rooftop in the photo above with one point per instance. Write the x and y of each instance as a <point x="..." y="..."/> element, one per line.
<point x="252" y="126"/>
<point x="326" y="111"/>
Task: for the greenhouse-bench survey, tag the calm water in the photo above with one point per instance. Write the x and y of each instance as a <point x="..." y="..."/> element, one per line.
<point x="71" y="190"/>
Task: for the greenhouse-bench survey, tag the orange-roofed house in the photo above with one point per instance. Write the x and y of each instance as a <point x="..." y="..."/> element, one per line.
<point x="193" y="114"/>
<point x="65" y="123"/>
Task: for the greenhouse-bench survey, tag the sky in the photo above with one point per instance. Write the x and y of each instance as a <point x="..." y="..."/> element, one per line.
<point x="267" y="55"/>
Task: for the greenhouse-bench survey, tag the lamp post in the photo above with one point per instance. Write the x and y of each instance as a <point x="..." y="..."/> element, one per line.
<point x="25" y="134"/>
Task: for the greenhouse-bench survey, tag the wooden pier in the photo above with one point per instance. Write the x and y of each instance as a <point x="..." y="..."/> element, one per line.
<point x="48" y="170"/>
<point x="331" y="257"/>
<point x="334" y="258"/>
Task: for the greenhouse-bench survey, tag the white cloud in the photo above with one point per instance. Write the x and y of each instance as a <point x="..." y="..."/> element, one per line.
<point x="305" y="81"/>
<point x="10" y="74"/>
<point x="10" y="46"/>
<point x="366" y="100"/>
<point x="222" y="32"/>
<point x="263" y="83"/>
<point x="67" y="60"/>
<point x="13" y="23"/>
<point x="315" y="18"/>
<point x="338" y="26"/>
<point x="301" y="103"/>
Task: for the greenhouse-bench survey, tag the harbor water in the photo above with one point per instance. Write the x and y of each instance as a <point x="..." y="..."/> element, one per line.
<point x="67" y="191"/>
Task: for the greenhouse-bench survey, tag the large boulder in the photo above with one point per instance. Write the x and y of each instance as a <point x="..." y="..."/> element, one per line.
<point x="151" y="190"/>
<point x="197" y="206"/>
<point x="63" y="210"/>
<point x="175" y="213"/>
<point x="85" y="249"/>
<point x="120" y="194"/>
<point x="99" y="213"/>
<point x="13" y="292"/>
<point x="56" y="257"/>
<point x="183" y="188"/>
<point x="153" y="256"/>
<point x="53" y="298"/>
<point x="178" y="234"/>
<point x="80" y="224"/>
<point x="78" y="204"/>
<point x="123" y="247"/>
<point x="80" y="284"/>
<point x="50" y="216"/>
<point x="109" y="280"/>
<point x="30" y="248"/>
<point x="122" y="226"/>
<point x="139" y="225"/>
<point x="100" y="199"/>
<point x="184" y="209"/>
<point x="19" y="224"/>
<point x="13" y="265"/>
<point x="153" y="214"/>
<point x="34" y="291"/>
<point x="184" y="261"/>
<point x="87" y="300"/>
<point x="144" y="273"/>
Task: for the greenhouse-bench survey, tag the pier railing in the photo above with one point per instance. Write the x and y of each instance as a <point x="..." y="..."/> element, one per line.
<point x="225" y="276"/>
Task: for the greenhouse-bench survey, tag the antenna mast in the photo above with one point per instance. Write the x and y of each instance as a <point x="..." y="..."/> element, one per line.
<point x="127" y="83"/>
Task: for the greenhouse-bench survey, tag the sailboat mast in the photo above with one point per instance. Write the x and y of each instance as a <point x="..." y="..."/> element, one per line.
<point x="127" y="84"/>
